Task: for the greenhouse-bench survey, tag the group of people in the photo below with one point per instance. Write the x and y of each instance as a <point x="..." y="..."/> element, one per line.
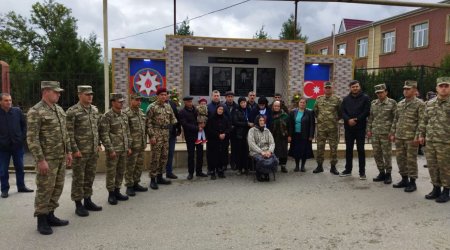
<point x="260" y="135"/>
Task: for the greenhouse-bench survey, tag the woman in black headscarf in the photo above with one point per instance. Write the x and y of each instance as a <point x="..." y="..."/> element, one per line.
<point x="239" y="135"/>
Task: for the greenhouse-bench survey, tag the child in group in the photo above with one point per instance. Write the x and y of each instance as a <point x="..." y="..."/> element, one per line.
<point x="202" y="117"/>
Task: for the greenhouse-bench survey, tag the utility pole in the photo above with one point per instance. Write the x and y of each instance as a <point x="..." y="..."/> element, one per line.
<point x="295" y="19"/>
<point x="105" y="53"/>
<point x="174" y="17"/>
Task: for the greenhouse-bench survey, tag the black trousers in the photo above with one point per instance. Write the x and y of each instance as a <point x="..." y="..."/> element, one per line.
<point x="240" y="153"/>
<point x="350" y="136"/>
<point x="216" y="154"/>
<point x="194" y="150"/>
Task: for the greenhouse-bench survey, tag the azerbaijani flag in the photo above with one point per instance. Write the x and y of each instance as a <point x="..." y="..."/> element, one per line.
<point x="315" y="76"/>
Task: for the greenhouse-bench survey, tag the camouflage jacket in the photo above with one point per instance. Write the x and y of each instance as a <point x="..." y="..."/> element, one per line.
<point x="82" y="127"/>
<point x="381" y="116"/>
<point x="159" y="116"/>
<point x="136" y="121"/>
<point x="328" y="112"/>
<point x="435" y="124"/>
<point x="406" y="120"/>
<point x="115" y="132"/>
<point x="47" y="135"/>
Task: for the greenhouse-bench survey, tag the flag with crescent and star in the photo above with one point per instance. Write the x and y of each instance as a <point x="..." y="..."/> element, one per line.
<point x="315" y="77"/>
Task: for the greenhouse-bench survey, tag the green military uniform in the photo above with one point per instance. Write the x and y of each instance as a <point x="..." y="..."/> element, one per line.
<point x="82" y="127"/>
<point x="379" y="124"/>
<point x="135" y="162"/>
<point x="115" y="137"/>
<point x="435" y="128"/>
<point x="327" y="110"/>
<point x="48" y="140"/>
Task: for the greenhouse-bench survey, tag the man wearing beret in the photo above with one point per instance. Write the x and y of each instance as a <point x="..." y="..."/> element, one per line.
<point x="50" y="145"/>
<point x="82" y="127"/>
<point x="434" y="129"/>
<point x="160" y="117"/>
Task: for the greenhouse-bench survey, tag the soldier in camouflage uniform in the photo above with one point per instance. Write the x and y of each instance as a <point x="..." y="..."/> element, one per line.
<point x="82" y="127"/>
<point x="115" y="136"/>
<point x="135" y="162"/>
<point x="382" y="112"/>
<point x="405" y="133"/>
<point x="434" y="128"/>
<point x="159" y="118"/>
<point x="49" y="143"/>
<point x="327" y="110"/>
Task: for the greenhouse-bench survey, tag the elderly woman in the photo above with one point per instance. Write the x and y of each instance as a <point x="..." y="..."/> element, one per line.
<point x="262" y="146"/>
<point x="280" y="132"/>
<point x="239" y="135"/>
<point x="301" y="134"/>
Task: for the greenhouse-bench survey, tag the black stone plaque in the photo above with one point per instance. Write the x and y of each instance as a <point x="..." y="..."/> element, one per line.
<point x="199" y="80"/>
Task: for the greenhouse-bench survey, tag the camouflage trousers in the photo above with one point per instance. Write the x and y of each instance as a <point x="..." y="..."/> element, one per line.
<point x="382" y="152"/>
<point x="406" y="153"/>
<point x="159" y="153"/>
<point x="83" y="175"/>
<point x="49" y="187"/>
<point x="115" y="169"/>
<point x="438" y="160"/>
<point x="135" y="165"/>
<point x="333" y="139"/>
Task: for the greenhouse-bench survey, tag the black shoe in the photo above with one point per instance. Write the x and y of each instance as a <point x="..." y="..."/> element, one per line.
<point x="425" y="166"/>
<point x="296" y="169"/>
<point x="112" y="198"/>
<point x="302" y="169"/>
<point x="5" y="194"/>
<point x="25" y="190"/>
<point x="333" y="170"/>
<point x="42" y="225"/>
<point x="381" y="177"/>
<point x="435" y="193"/>
<point x="139" y="188"/>
<point x="319" y="169"/>
<point x="213" y="176"/>
<point x="162" y="181"/>
<point x="221" y="175"/>
<point x="411" y="186"/>
<point x="283" y="169"/>
<point x="54" y="221"/>
<point x="402" y="184"/>
<point x="388" y="178"/>
<point x="130" y="191"/>
<point x="201" y="174"/>
<point x="444" y="197"/>
<point x="153" y="184"/>
<point x="91" y="206"/>
<point x="119" y="196"/>
<point x="171" y="176"/>
<point x="345" y="173"/>
<point x="190" y="176"/>
<point x="80" y="210"/>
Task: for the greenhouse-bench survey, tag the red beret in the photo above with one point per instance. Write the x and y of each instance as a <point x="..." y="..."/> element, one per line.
<point x="161" y="90"/>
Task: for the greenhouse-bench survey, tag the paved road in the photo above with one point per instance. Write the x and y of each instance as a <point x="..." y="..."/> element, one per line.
<point x="297" y="211"/>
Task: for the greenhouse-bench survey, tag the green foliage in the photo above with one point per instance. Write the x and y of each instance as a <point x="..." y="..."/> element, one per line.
<point x="184" y="29"/>
<point x="261" y="34"/>
<point x="288" y="31"/>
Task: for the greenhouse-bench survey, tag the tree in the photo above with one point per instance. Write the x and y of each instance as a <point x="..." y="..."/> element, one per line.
<point x="261" y="34"/>
<point x="288" y="33"/>
<point x="184" y="29"/>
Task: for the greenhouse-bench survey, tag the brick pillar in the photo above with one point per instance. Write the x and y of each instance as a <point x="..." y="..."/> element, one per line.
<point x="6" y="85"/>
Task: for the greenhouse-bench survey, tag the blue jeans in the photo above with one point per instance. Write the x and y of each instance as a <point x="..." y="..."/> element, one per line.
<point x="172" y="141"/>
<point x="5" y="157"/>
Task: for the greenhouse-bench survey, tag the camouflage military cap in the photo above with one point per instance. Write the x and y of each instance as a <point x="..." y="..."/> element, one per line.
<point x="410" y="84"/>
<point x="380" y="88"/>
<point x="443" y="80"/>
<point x="117" y="97"/>
<point x="85" y="89"/>
<point x="53" y="85"/>
<point x="135" y="96"/>
<point x="327" y="84"/>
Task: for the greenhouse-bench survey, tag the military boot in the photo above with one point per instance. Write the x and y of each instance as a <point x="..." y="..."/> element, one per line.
<point x="130" y="191"/>
<point x="435" y="193"/>
<point x="55" y="221"/>
<point x="80" y="210"/>
<point x="388" y="178"/>
<point x="411" y="186"/>
<point x="42" y="225"/>
<point x="381" y="177"/>
<point x="112" y="198"/>
<point x="333" y="170"/>
<point x="91" y="206"/>
<point x="119" y="196"/>
<point x="162" y="181"/>
<point x="139" y="188"/>
<point x="319" y="169"/>
<point x="444" y="197"/>
<point x="402" y="184"/>
<point x="283" y="169"/>
<point x="153" y="184"/>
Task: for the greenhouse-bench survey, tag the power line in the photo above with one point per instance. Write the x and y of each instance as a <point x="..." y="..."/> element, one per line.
<point x="190" y="19"/>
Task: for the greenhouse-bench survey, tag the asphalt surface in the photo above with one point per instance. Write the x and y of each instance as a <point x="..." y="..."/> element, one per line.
<point x="297" y="211"/>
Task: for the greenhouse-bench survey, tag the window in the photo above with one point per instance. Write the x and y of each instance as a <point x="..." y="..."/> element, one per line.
<point x="389" y="42"/>
<point x="341" y="49"/>
<point x="419" y="35"/>
<point x="324" y="51"/>
<point x="362" y="47"/>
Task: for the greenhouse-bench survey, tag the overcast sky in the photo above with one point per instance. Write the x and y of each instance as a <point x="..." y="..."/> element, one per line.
<point x="128" y="17"/>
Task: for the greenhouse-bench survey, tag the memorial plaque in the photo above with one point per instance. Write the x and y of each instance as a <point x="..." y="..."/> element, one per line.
<point x="199" y="80"/>
<point x="221" y="79"/>
<point x="243" y="81"/>
<point x="265" y="82"/>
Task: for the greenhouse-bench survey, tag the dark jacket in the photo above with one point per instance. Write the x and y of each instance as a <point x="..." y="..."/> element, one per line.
<point x="13" y="129"/>
<point x="175" y="130"/>
<point x="230" y="108"/>
<point x="255" y="112"/>
<point x="217" y="125"/>
<point x="188" y="119"/>
<point x="356" y="107"/>
<point x="240" y="123"/>
<point x="308" y="123"/>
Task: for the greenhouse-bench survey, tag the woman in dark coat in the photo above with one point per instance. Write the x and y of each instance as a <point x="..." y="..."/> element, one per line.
<point x="262" y="109"/>
<point x="218" y="130"/>
<point x="239" y="134"/>
<point x="301" y="134"/>
<point x="280" y="132"/>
